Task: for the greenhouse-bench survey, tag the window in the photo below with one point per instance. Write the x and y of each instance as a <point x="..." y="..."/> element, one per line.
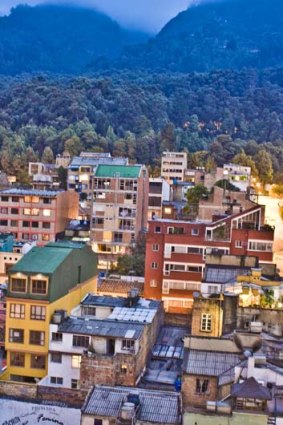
<point x="3" y="222"/>
<point x="260" y="246"/>
<point x="26" y="224"/>
<point x="25" y="236"/>
<point x="17" y="311"/>
<point x="57" y="380"/>
<point x="45" y="237"/>
<point x="128" y="344"/>
<point x="4" y="210"/>
<point x="206" y="322"/>
<point x="16" y="335"/>
<point x="31" y="199"/>
<point x="4" y="198"/>
<point x="153" y="283"/>
<point x="57" y="337"/>
<point x="154" y="265"/>
<point x="18" y="285"/>
<point x="26" y="211"/>
<point x="17" y="359"/>
<point x="34" y="237"/>
<point x="76" y="361"/>
<point x="34" y="224"/>
<point x="195" y="232"/>
<point x="37" y="362"/>
<point x="45" y="225"/>
<point x="155" y="247"/>
<point x="75" y="385"/>
<point x="36" y="337"/>
<point x="202" y="386"/>
<point x="89" y="310"/>
<point x="167" y="210"/>
<point x="37" y="312"/>
<point x="34" y="211"/>
<point x="14" y="211"/>
<point x="46" y="200"/>
<point x="124" y="369"/>
<point x="46" y="213"/>
<point x="98" y="422"/>
<point x="238" y="244"/>
<point x="14" y="223"/>
<point x="39" y="287"/>
<point x="80" y="341"/>
<point x="56" y="357"/>
<point x="157" y="229"/>
<point x="15" y="199"/>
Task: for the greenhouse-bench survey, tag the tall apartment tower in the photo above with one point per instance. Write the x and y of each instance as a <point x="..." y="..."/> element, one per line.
<point x="119" y="213"/>
<point x="173" y="166"/>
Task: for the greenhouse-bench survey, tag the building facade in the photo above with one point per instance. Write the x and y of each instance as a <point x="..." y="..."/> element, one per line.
<point x="173" y="166"/>
<point x="46" y="279"/>
<point x="36" y="215"/>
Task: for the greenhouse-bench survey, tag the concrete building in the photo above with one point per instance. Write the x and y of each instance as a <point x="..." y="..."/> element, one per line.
<point x="119" y="212"/>
<point x="36" y="215"/>
<point x="82" y="169"/>
<point x="107" y="340"/>
<point x="121" y="405"/>
<point x="176" y="252"/>
<point x="46" y="279"/>
<point x="159" y="191"/>
<point x="173" y="166"/>
<point x="43" y="176"/>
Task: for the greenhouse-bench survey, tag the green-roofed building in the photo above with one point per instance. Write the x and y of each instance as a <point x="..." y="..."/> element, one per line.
<point x="120" y="203"/>
<point x="54" y="277"/>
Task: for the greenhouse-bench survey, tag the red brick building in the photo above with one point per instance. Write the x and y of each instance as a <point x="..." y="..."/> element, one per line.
<point x="176" y="252"/>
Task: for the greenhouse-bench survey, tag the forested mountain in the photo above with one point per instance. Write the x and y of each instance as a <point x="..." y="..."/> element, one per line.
<point x="58" y="39"/>
<point x="141" y="114"/>
<point x="227" y="34"/>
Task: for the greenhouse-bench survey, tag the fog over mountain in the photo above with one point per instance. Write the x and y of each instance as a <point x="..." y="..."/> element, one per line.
<point x="146" y="15"/>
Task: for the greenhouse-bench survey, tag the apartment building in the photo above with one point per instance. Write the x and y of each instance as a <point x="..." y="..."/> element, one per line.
<point x="106" y="340"/>
<point x="159" y="191"/>
<point x="82" y="169"/>
<point x="43" y="176"/>
<point x="36" y="215"/>
<point x="176" y="252"/>
<point x="119" y="212"/>
<point x="54" y="277"/>
<point x="173" y="166"/>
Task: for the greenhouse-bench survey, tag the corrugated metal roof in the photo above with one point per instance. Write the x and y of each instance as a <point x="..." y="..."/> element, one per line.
<point x="104" y="328"/>
<point x="104" y="301"/>
<point x="78" y="161"/>
<point x="209" y="363"/>
<point x="155" y="406"/>
<point x="223" y="274"/>
<point x="30" y="192"/>
<point x="121" y="171"/>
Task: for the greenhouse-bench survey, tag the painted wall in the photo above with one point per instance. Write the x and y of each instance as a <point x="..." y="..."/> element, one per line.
<point x="24" y="413"/>
<point x="235" y="419"/>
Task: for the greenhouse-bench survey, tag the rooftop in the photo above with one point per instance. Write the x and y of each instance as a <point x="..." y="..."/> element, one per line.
<point x="122" y="302"/>
<point x="209" y="363"/>
<point x="220" y="274"/>
<point x="155" y="406"/>
<point x="91" y="161"/>
<point x="104" y="328"/>
<point x="46" y="259"/>
<point x="111" y="286"/>
<point x="251" y="389"/>
<point x="121" y="171"/>
<point x="31" y="192"/>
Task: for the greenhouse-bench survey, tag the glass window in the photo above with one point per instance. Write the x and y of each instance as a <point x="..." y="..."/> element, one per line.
<point x="35" y="224"/>
<point x="202" y="386"/>
<point x="37" y="312"/>
<point x="36" y="337"/>
<point x="153" y="283"/>
<point x="26" y="211"/>
<point x="45" y="237"/>
<point x="80" y="341"/>
<point x="3" y="222"/>
<point x="16" y="335"/>
<point x="26" y="224"/>
<point x="56" y="357"/>
<point x="76" y="361"/>
<point x="45" y="225"/>
<point x="57" y="380"/>
<point x="14" y="210"/>
<point x="17" y="311"/>
<point x="75" y="384"/>
<point x="154" y="265"/>
<point x="37" y="362"/>
<point x="46" y="213"/>
<point x="18" y="285"/>
<point x="4" y="210"/>
<point x="155" y="247"/>
<point x="39" y="287"/>
<point x="15" y="199"/>
<point x="206" y="322"/>
<point x="57" y="336"/>
<point x="17" y="359"/>
<point x="128" y="344"/>
<point x="4" y="198"/>
<point x="14" y="223"/>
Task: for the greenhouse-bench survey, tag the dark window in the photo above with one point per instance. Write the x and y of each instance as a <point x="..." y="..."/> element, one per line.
<point x="3" y="222"/>
<point x="5" y="198"/>
<point x="57" y="380"/>
<point x="16" y="335"/>
<point x="80" y="341"/>
<point x="14" y="223"/>
<point x="202" y="386"/>
<point x="15" y="199"/>
<point x="157" y="229"/>
<point x="56" y="357"/>
<point x="4" y="210"/>
<point x="37" y="312"/>
<point x="34" y="224"/>
<point x="57" y="337"/>
<point x="14" y="210"/>
<point x="18" y="285"/>
<point x="98" y="422"/>
<point x="36" y="337"/>
<point x="45" y="225"/>
<point x="75" y="385"/>
<point x="26" y="224"/>
<point x="17" y="359"/>
<point x="89" y="310"/>
<point x="37" y="362"/>
<point x="46" y="200"/>
<point x="128" y="344"/>
<point x="39" y="287"/>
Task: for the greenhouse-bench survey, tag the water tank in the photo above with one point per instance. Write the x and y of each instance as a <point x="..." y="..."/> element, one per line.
<point x="256" y="327"/>
<point x="134" y="398"/>
<point x="127" y="411"/>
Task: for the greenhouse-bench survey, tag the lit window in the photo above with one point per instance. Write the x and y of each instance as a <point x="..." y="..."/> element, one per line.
<point x="153" y="283"/>
<point x="206" y="322"/>
<point x="76" y="361"/>
<point x="46" y="213"/>
<point x="167" y="210"/>
<point x="45" y="237"/>
<point x="17" y="311"/>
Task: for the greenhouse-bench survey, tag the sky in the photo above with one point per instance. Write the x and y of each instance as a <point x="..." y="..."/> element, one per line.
<point x="149" y="15"/>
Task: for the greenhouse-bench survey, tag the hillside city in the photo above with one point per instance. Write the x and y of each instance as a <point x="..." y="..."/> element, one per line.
<point x="132" y="299"/>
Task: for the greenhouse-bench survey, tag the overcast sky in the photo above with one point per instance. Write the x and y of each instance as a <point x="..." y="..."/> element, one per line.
<point x="149" y="15"/>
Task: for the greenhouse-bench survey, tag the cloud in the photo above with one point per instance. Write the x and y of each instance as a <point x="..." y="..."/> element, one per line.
<point x="149" y="15"/>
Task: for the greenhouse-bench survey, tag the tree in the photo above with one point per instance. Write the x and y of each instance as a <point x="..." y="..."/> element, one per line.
<point x="194" y="196"/>
<point x="246" y="161"/>
<point x="47" y="155"/>
<point x="264" y="166"/>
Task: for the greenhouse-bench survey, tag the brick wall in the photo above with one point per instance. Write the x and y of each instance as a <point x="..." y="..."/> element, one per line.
<point x="18" y="390"/>
<point x="191" y="398"/>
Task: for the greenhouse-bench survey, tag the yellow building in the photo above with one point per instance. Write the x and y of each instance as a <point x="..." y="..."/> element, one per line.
<point x="55" y="277"/>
